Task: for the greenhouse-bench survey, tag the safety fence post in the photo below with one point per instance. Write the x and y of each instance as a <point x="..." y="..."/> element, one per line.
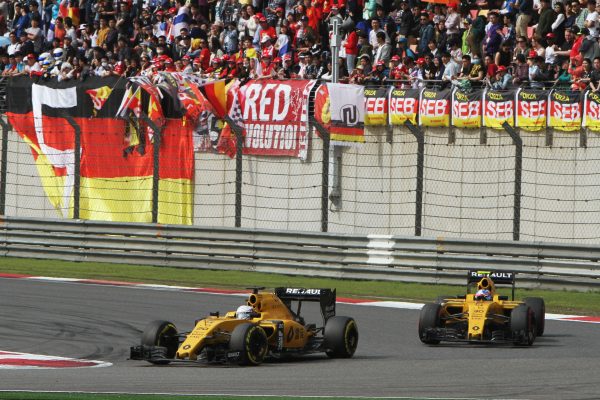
<point x="239" y="146"/>
<point x="420" y="136"/>
<point x="77" y="163"/>
<point x="518" y="142"/>
<point x="156" y="138"/>
<point x="4" y="165"/>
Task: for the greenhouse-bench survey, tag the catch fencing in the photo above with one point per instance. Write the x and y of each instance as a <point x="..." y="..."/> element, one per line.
<point x="475" y="184"/>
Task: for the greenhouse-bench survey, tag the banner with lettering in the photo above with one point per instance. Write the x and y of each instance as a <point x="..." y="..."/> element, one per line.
<point x="565" y="110"/>
<point x="466" y="109"/>
<point x="434" y="107"/>
<point x="591" y="111"/>
<point x="275" y="115"/>
<point x="403" y="106"/>
<point x="498" y="107"/>
<point x="532" y="108"/>
<point x="376" y="106"/>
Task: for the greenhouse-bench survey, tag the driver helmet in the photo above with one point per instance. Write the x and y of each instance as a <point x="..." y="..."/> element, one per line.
<point x="243" y="312"/>
<point x="483" y="294"/>
<point x="44" y="56"/>
<point x="58" y="53"/>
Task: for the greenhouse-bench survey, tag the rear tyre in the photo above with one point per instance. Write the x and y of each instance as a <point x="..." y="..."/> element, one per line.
<point x="340" y="337"/>
<point x="538" y="307"/>
<point x="522" y="325"/>
<point x="163" y="334"/>
<point x="251" y="342"/>
<point x="429" y="319"/>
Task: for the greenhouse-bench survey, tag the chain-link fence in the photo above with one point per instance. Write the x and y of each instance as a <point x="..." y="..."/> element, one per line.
<point x="404" y="180"/>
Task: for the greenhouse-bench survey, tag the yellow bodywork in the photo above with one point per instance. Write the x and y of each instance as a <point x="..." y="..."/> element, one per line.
<point x="479" y="313"/>
<point x="270" y="314"/>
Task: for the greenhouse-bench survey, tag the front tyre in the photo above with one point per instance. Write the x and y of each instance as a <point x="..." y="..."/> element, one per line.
<point x="341" y="337"/>
<point x="429" y="319"/>
<point x="538" y="307"/>
<point x="163" y="334"/>
<point x="251" y="342"/>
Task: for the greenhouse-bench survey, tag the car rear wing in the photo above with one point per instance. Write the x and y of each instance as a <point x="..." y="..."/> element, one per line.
<point x="498" y="277"/>
<point x="325" y="297"/>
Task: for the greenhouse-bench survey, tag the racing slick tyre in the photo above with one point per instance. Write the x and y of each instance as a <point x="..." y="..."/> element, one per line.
<point x="164" y="334"/>
<point x="429" y="319"/>
<point x="538" y="307"/>
<point x="341" y="337"/>
<point x="522" y="325"/>
<point x="251" y="342"/>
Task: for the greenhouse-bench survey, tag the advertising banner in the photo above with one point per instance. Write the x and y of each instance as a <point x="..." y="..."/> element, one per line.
<point x="498" y="107"/>
<point x="434" y="107"/>
<point x="403" y="106"/>
<point x="565" y="110"/>
<point x="347" y="107"/>
<point x="275" y="115"/>
<point x="466" y="109"/>
<point x="532" y="108"/>
<point x="376" y="106"/>
<point x="591" y="111"/>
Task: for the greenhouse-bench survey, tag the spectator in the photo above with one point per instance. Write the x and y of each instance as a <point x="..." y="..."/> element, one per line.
<point x="351" y="49"/>
<point x="493" y="36"/>
<point x="404" y="19"/>
<point x="547" y="17"/>
<point x="559" y="25"/>
<point x="502" y="79"/>
<point x="383" y="50"/>
<point x="425" y="34"/>
<point x="525" y="14"/>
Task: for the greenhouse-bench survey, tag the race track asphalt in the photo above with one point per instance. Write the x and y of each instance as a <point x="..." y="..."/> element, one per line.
<point x="101" y="322"/>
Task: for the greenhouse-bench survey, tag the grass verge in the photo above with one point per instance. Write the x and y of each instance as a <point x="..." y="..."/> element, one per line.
<point x="123" y="396"/>
<point x="566" y="302"/>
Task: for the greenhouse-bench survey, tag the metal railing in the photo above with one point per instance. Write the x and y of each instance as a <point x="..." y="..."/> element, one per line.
<point x="376" y="257"/>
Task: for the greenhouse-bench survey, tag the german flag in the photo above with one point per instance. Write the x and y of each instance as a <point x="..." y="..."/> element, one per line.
<point x="216" y="94"/>
<point x="113" y="187"/>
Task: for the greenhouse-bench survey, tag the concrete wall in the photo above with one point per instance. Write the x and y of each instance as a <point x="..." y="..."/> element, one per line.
<point x="468" y="187"/>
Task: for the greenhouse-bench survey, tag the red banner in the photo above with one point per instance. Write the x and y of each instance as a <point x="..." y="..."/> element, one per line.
<point x="275" y="117"/>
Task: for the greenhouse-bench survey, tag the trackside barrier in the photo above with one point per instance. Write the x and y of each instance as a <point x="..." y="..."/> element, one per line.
<point x="375" y="257"/>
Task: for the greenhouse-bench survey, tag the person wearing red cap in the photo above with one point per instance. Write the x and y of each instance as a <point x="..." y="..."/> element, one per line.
<point x="32" y="66"/>
<point x="550" y="51"/>
<point x="288" y="68"/>
<point x="502" y="79"/>
<point x="264" y="31"/>
<point x="452" y="22"/>
<point x="535" y="74"/>
<point x="267" y="67"/>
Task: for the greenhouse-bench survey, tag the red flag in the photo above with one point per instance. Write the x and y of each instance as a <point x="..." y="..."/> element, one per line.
<point x="99" y="97"/>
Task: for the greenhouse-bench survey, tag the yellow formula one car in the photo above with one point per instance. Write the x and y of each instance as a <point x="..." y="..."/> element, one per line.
<point x="267" y="325"/>
<point x="483" y="316"/>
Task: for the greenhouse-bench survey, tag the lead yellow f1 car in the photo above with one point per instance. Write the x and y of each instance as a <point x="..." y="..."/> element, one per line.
<point x="483" y="315"/>
<point x="271" y="327"/>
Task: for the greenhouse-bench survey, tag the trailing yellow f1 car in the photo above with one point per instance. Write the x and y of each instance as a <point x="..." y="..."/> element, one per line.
<point x="483" y="315"/>
<point x="267" y="325"/>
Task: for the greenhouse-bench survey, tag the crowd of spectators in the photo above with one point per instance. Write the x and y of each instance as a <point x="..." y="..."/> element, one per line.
<point x="498" y="43"/>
